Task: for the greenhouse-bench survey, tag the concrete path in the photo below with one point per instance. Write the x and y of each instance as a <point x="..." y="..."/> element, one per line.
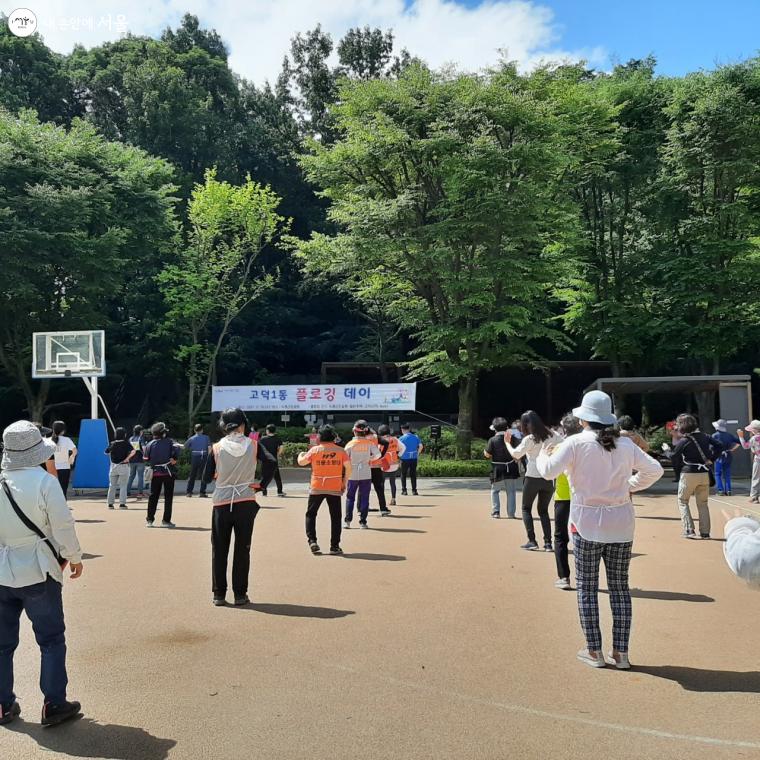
<point x="434" y="637"/>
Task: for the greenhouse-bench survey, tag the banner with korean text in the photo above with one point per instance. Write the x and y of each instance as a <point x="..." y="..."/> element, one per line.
<point x="315" y="398"/>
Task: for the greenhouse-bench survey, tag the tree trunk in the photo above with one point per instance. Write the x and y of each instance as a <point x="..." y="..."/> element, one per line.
<point x="646" y="419"/>
<point x="705" y="410"/>
<point x="618" y="399"/>
<point x="468" y="387"/>
<point x="36" y="401"/>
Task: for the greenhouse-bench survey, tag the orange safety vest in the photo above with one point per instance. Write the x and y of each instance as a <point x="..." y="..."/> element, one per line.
<point x="392" y="453"/>
<point x="328" y="462"/>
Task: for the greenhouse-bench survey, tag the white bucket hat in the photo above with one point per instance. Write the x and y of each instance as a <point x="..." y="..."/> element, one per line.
<point x="753" y="427"/>
<point x="596" y="406"/>
<point x="720" y="425"/>
<point x="24" y="446"/>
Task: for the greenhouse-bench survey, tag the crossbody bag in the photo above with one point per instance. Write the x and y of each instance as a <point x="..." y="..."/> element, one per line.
<point x="708" y="463"/>
<point x="29" y="524"/>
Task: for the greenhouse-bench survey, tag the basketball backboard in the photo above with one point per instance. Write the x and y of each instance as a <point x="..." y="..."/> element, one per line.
<point x="68" y="354"/>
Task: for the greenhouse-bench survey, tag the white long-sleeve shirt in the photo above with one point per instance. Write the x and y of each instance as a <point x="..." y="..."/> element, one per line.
<point x="601" y="483"/>
<point x="742" y="548"/>
<point x="529" y="448"/>
<point x="25" y="559"/>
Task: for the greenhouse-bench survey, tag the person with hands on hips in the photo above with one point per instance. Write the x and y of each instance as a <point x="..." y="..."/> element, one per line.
<point x="37" y="539"/>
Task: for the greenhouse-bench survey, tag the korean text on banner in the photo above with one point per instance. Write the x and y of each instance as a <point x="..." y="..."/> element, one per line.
<point x="317" y="398"/>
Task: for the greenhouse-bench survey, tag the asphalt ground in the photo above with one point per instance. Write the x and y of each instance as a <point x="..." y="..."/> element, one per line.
<point x="435" y="636"/>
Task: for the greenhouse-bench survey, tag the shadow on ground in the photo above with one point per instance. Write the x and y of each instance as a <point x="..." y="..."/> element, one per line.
<point x="86" y="738"/>
<point x="191" y="528"/>
<point x="374" y="557"/>
<point x="89" y="522"/>
<point x="695" y="679"/>
<point x="299" y="610"/>
<point x="91" y="556"/>
<point x="666" y="596"/>
<point x="399" y="530"/>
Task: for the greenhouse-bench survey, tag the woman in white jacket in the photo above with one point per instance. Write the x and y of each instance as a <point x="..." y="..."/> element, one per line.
<point x="600" y="466"/>
<point x="742" y="547"/>
<point x="31" y="574"/>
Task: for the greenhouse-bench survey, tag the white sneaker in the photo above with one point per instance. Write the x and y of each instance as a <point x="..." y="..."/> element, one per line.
<point x="563" y="583"/>
<point x="165" y="524"/>
<point x="346" y="524"/>
<point x="621" y="662"/>
<point x="594" y="661"/>
<point x="149" y="523"/>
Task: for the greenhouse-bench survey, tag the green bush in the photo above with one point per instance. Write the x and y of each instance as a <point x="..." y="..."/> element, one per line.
<point x="656" y="437"/>
<point x="452" y="468"/>
<point x="447" y="448"/>
<point x="290" y="452"/>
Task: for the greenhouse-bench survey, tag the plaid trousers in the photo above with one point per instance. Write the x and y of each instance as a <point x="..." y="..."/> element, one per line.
<point x="617" y="558"/>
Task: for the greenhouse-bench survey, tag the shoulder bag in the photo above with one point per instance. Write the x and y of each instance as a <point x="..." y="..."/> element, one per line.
<point x="29" y="524"/>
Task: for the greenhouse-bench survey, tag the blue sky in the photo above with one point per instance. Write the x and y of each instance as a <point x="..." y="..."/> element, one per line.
<point x="684" y="35"/>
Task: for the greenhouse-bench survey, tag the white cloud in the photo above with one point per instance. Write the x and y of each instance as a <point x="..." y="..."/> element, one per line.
<point x="258" y="31"/>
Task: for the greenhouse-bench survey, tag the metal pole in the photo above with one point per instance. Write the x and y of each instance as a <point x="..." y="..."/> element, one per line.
<point x="94" y="398"/>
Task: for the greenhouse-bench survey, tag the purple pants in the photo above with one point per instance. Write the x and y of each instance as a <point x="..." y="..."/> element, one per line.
<point x="363" y="487"/>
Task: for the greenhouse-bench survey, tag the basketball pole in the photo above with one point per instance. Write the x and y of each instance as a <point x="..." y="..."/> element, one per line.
<point x="92" y="387"/>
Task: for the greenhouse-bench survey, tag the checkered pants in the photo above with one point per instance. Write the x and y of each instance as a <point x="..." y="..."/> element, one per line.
<point x="617" y="558"/>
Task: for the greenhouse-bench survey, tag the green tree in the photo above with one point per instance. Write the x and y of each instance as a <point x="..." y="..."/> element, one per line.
<point x="707" y="246"/>
<point x="614" y="128"/>
<point x="77" y="215"/>
<point x="442" y="186"/>
<point x="33" y="76"/>
<point x="216" y="275"/>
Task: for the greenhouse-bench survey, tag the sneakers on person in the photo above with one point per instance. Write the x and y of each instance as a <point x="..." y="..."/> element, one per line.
<point x="393" y="502"/>
<point x="282" y="494"/>
<point x="753" y="500"/>
<point x="414" y="493"/>
<point x="123" y="506"/>
<point x="9" y="712"/>
<point x="336" y="550"/>
<point x="52" y="714"/>
<point x="203" y="495"/>
<point x="140" y="496"/>
<point x="111" y="506"/>
<point x="594" y="660"/>
<point x="363" y="525"/>
<point x="189" y="495"/>
<point x="167" y="524"/>
<point x="314" y="546"/>
<point x="405" y="493"/>
<point x="728" y="493"/>
<point x="219" y="601"/>
<point x="347" y="524"/>
<point x="531" y="546"/>
<point x="496" y="516"/>
<point x="619" y="660"/>
<point x="692" y="535"/>
<point x="385" y="512"/>
<point x="720" y="493"/>
<point x="704" y="536"/>
<point x="240" y="601"/>
<point x="548" y="547"/>
<point x="149" y="523"/>
<point x="563" y="584"/>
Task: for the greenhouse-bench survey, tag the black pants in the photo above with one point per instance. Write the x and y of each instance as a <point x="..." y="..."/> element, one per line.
<point x="543" y="489"/>
<point x="561" y="537"/>
<point x="390" y="477"/>
<point x="269" y="471"/>
<point x="334" y="505"/>
<point x="223" y="522"/>
<point x="197" y="469"/>
<point x="156" y="484"/>
<point x="63" y="478"/>
<point x="409" y="467"/>
<point x="378" y="483"/>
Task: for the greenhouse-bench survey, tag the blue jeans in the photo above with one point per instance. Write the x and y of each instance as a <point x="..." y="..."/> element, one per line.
<point x="136" y="470"/>
<point x="723" y="474"/>
<point x="43" y="604"/>
<point x="509" y="486"/>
